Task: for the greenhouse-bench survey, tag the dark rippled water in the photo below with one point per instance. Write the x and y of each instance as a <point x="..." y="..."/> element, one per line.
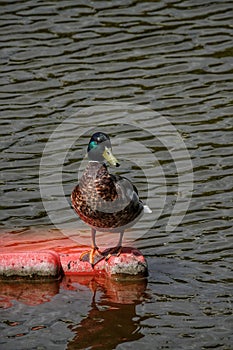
<point x="69" y="58"/>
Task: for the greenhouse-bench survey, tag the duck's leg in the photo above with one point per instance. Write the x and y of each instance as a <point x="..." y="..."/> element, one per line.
<point x="94" y="248"/>
<point x="93" y="243"/>
<point x="116" y="251"/>
<point x="91" y="255"/>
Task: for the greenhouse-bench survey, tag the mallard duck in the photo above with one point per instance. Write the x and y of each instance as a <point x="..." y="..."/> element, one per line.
<point x="104" y="201"/>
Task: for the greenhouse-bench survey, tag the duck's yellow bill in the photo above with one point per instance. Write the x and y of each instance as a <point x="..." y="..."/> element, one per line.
<point x="110" y="157"/>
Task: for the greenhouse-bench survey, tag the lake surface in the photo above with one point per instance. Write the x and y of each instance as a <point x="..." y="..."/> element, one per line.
<point x="157" y="76"/>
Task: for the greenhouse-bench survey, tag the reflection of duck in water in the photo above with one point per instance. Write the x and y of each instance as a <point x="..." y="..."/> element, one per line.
<point x="116" y="307"/>
<point x="104" y="201"/>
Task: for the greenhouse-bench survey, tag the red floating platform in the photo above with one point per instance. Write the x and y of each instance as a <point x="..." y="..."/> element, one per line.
<point x="49" y="264"/>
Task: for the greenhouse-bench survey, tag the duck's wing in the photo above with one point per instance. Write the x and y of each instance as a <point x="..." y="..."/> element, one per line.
<point x="128" y="193"/>
<point x="126" y="190"/>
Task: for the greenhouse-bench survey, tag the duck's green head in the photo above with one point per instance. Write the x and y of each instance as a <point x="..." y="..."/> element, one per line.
<point x="100" y="149"/>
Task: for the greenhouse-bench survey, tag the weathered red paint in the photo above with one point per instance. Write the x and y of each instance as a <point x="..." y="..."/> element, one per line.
<point x="50" y="264"/>
<point x="130" y="262"/>
<point x="30" y="265"/>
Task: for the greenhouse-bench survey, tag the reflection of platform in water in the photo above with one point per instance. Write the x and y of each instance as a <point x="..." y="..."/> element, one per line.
<point x="34" y="293"/>
<point x="27" y="292"/>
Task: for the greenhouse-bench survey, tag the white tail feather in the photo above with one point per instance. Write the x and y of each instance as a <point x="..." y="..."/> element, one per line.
<point x="147" y="210"/>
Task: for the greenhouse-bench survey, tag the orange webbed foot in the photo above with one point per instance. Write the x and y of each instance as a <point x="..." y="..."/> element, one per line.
<point x="92" y="256"/>
<point x="116" y="251"/>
